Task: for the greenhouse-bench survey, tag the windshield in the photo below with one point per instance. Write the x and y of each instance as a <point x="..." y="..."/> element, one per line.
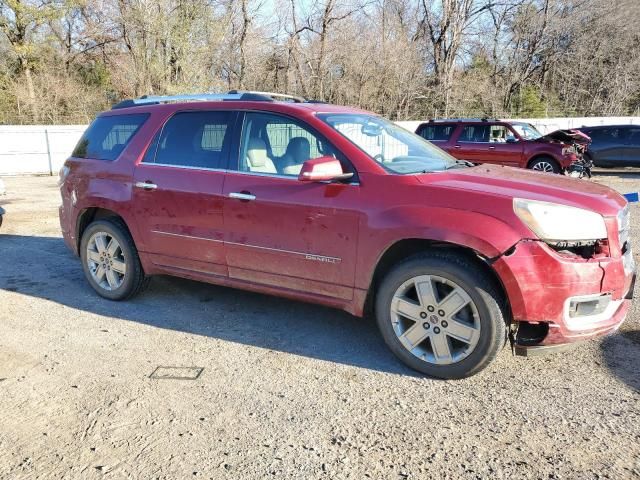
<point x="396" y="149"/>
<point x="526" y="131"/>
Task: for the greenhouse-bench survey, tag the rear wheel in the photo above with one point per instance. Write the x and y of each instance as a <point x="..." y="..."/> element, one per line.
<point x="545" y="164"/>
<point x="110" y="260"/>
<point x="440" y="314"/>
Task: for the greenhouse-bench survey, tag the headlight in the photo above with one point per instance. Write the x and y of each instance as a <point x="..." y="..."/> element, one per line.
<point x="552" y="222"/>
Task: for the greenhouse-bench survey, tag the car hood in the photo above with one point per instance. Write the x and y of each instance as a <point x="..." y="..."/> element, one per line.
<point x="565" y="136"/>
<point x="508" y="182"/>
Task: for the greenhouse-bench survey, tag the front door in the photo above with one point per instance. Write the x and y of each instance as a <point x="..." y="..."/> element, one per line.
<point x="283" y="232"/>
<point x="178" y="189"/>
<point x="505" y="147"/>
<point x="632" y="147"/>
<point x="487" y="143"/>
<point x="608" y="145"/>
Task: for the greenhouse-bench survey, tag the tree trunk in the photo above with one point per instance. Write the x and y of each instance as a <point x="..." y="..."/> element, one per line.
<point x="32" y="92"/>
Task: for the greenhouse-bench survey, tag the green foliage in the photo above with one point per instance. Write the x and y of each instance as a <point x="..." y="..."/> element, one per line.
<point x="529" y="103"/>
<point x="94" y="74"/>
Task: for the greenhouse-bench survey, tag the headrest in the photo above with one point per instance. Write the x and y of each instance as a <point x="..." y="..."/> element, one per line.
<point x="299" y="148"/>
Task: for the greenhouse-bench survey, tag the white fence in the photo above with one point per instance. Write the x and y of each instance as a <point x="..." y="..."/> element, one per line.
<point x="36" y="149"/>
<point x="42" y="149"/>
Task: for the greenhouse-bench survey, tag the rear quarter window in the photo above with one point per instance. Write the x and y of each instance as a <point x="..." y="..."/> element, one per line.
<point x="107" y="137"/>
<point x="436" y="132"/>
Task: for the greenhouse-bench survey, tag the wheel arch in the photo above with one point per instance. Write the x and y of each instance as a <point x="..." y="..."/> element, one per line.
<point x="409" y="247"/>
<point x="91" y="214"/>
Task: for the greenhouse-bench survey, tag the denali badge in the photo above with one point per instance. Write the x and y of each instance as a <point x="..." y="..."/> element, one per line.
<point x="320" y="258"/>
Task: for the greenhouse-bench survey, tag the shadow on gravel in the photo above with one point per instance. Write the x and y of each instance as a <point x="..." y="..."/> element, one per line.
<point x="621" y="353"/>
<point x="43" y="267"/>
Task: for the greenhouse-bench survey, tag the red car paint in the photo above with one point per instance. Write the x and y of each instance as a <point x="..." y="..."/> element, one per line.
<point x="322" y="242"/>
<point x="521" y="153"/>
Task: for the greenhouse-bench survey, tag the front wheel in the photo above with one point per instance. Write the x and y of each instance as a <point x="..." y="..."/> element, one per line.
<point x="545" y="164"/>
<point x="110" y="260"/>
<point x="440" y="314"/>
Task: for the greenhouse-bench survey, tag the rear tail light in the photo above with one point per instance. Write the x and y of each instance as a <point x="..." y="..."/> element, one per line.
<point x="62" y="174"/>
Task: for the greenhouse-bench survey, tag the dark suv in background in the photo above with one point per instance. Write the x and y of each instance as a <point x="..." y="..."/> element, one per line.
<point x="515" y="144"/>
<point x="614" y="145"/>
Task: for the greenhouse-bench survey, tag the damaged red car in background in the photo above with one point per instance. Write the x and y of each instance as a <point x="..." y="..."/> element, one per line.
<point x="515" y="144"/>
<point x="579" y="142"/>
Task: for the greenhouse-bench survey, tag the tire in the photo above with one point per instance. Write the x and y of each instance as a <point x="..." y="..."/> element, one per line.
<point x="480" y="320"/>
<point x="123" y="264"/>
<point x="544" y="164"/>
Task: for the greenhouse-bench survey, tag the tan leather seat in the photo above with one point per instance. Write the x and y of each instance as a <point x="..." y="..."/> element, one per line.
<point x="257" y="158"/>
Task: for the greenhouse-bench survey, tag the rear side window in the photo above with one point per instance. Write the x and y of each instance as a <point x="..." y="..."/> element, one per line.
<point x="476" y="133"/>
<point x="606" y="134"/>
<point x="107" y="137"/>
<point x="437" y="132"/>
<point x="192" y="139"/>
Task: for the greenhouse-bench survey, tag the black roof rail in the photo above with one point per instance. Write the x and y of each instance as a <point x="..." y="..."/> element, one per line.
<point x="268" y="95"/>
<point x="232" y="95"/>
<point x="450" y="120"/>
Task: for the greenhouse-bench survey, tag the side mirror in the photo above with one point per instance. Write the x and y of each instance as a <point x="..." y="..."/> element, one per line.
<point x="322" y="169"/>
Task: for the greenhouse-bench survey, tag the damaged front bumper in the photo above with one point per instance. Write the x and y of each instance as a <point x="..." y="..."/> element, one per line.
<point x="557" y="300"/>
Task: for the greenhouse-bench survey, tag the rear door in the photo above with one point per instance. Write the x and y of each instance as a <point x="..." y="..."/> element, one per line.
<point x="632" y="147"/>
<point x="472" y="143"/>
<point x="178" y="191"/>
<point x="437" y="133"/>
<point x="283" y="232"/>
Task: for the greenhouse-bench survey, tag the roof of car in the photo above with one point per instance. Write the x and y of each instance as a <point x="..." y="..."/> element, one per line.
<point x="243" y="105"/>
<point x="456" y="121"/>
<point x="234" y="100"/>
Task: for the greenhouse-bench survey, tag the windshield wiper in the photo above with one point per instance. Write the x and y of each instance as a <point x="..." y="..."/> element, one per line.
<point x="460" y="164"/>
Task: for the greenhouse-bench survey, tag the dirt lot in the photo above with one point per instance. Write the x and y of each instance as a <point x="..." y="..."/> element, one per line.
<point x="288" y="390"/>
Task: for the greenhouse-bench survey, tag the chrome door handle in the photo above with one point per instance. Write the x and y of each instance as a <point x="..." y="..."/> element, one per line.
<point x="242" y="196"/>
<point x="456" y="146"/>
<point x="146" y="185"/>
<point x="492" y="148"/>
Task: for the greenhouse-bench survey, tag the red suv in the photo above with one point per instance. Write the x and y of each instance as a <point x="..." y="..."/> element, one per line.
<point x="343" y="208"/>
<point x="515" y="144"/>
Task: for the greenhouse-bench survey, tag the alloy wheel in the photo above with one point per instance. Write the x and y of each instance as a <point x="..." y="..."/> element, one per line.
<point x="106" y="261"/>
<point x="435" y="319"/>
<point x="543" y="167"/>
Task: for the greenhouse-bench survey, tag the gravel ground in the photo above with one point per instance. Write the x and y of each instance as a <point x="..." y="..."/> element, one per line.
<point x="288" y="389"/>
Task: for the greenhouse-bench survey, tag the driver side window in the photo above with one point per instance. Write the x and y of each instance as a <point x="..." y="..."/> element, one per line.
<point x="278" y="145"/>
